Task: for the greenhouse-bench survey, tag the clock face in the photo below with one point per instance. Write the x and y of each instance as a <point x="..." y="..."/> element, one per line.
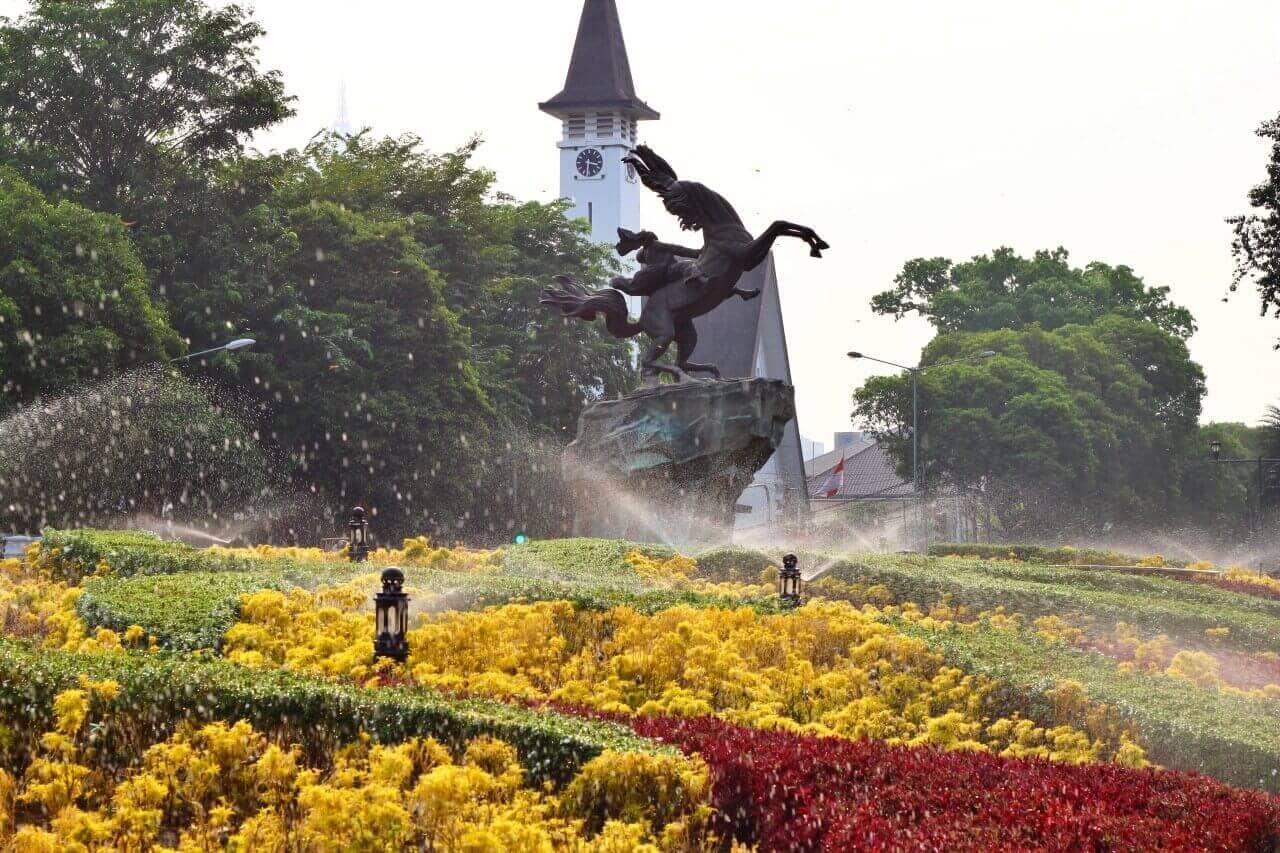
<point x="590" y="162"/>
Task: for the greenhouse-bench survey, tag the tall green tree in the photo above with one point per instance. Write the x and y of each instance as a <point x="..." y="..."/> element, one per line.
<point x="74" y="304"/>
<point x="405" y="360"/>
<point x="1256" y="236"/>
<point x="1006" y="291"/>
<point x="108" y="100"/>
<point x="1270" y="439"/>
<point x="1073" y="425"/>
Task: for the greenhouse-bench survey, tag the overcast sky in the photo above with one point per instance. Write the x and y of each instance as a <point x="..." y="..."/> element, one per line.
<point x="1122" y="131"/>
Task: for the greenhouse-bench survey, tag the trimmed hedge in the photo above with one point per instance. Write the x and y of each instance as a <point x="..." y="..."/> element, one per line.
<point x="158" y="691"/>
<point x="1062" y="555"/>
<point x="1182" y="726"/>
<point x="569" y="560"/>
<point x="130" y="552"/>
<point x="1155" y="604"/>
<point x="735" y="564"/>
<point x="191" y="610"/>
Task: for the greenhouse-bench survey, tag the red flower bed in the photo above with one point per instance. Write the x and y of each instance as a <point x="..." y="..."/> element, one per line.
<point x="784" y="791"/>
<point x="1243" y="587"/>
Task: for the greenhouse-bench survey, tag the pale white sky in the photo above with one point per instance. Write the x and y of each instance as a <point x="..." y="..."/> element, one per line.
<point x="1120" y="129"/>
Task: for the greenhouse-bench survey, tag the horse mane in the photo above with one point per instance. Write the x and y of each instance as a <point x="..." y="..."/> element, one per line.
<point x="709" y="207"/>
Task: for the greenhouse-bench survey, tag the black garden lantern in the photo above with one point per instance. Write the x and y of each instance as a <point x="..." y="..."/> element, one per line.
<point x="358" y="536"/>
<point x="1215" y="449"/>
<point x="391" y="623"/>
<point x="789" y="581"/>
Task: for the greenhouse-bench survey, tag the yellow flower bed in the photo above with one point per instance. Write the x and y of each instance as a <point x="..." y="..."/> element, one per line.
<point x="826" y="668"/>
<point x="1236" y="573"/>
<point x="414" y="551"/>
<point x="227" y="786"/>
<point x="33" y="605"/>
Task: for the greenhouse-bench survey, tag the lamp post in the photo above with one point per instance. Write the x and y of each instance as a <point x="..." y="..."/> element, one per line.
<point x="391" y="606"/>
<point x="230" y="346"/>
<point x="357" y="536"/>
<point x="1268" y="480"/>
<point x="789" y="583"/>
<point x="915" y="411"/>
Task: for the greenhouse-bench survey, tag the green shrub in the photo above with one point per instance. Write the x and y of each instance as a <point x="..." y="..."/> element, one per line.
<point x="597" y="560"/>
<point x="731" y="563"/>
<point x="191" y="610"/>
<point x="128" y="552"/>
<point x="158" y="691"/>
<point x="1154" y="604"/>
<point x="1063" y="555"/>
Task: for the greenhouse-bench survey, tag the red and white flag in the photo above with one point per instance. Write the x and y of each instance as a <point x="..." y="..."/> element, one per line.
<point x="835" y="481"/>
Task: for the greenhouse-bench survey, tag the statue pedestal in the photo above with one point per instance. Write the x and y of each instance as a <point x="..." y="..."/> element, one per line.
<point x="667" y="464"/>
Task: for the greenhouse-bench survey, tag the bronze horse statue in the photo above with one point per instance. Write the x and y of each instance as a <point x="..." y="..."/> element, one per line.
<point x="680" y="283"/>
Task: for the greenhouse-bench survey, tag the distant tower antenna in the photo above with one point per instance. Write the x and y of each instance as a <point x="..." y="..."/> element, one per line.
<point x="342" y="124"/>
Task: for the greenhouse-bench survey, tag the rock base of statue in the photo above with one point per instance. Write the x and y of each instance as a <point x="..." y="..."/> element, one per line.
<point x="667" y="464"/>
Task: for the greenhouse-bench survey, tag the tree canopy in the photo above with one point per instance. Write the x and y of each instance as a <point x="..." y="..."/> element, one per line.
<point x="402" y="358"/>
<point x="74" y="303"/>
<point x="1078" y="424"/>
<point x="1256" y="241"/>
<point x="1005" y="291"/>
<point x="97" y="99"/>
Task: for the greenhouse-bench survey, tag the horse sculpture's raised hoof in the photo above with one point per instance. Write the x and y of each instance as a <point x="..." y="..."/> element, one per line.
<point x="682" y="283"/>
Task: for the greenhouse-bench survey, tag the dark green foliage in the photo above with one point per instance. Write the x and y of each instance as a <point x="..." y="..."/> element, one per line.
<point x="405" y="363"/>
<point x="1271" y="433"/>
<point x="159" y="691"/>
<point x="73" y="297"/>
<point x="1087" y="417"/>
<point x="106" y="100"/>
<point x="1255" y="245"/>
<point x="1005" y="291"/>
<point x="1183" y="726"/>
<point x="149" y="442"/>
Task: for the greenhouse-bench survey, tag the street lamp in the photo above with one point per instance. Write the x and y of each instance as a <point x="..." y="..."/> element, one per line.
<point x="231" y="346"/>
<point x="789" y="581"/>
<point x="357" y="536"/>
<point x="915" y="402"/>
<point x="391" y="607"/>
<point x="1268" y="480"/>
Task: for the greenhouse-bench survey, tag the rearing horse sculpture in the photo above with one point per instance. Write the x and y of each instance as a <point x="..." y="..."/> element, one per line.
<point x="680" y="283"/>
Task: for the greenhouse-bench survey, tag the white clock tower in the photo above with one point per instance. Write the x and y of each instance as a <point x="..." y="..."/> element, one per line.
<point x="599" y="114"/>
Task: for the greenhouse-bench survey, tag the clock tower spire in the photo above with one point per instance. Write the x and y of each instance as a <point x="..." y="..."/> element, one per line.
<point x="599" y="113"/>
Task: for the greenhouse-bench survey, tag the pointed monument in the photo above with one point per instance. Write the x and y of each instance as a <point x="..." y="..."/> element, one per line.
<point x="747" y="340"/>
<point x="599" y="75"/>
